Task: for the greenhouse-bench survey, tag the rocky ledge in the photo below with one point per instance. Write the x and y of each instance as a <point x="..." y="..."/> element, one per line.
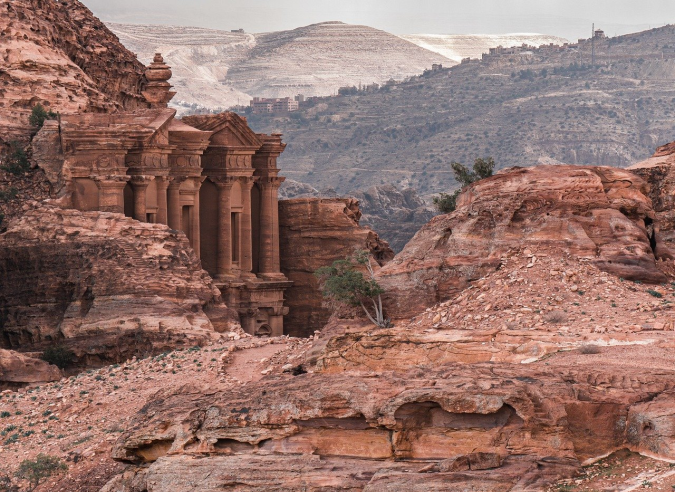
<point x="105" y="285"/>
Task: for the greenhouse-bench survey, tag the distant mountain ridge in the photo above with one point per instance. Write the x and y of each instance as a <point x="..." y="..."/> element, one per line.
<point x="456" y="47"/>
<point x="218" y="69"/>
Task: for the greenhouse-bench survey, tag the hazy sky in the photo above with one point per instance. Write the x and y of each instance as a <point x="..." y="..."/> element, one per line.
<point x="568" y="18"/>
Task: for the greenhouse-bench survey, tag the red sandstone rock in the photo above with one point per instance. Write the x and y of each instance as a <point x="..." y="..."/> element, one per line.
<point x="659" y="172"/>
<point x="596" y="213"/>
<point x="57" y="53"/>
<point x="313" y="233"/>
<point x="18" y="370"/>
<point x="105" y="284"/>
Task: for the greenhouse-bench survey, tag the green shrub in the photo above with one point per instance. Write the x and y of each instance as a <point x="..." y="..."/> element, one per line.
<point x="17" y="161"/>
<point x="43" y="466"/>
<point x="9" y="194"/>
<point x="39" y="115"/>
<point x="654" y="293"/>
<point x="58" y="355"/>
<point x="482" y="168"/>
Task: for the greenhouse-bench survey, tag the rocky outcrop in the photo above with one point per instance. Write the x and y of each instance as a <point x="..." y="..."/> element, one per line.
<point x="313" y="233"/>
<point x="659" y="172"/>
<point x="102" y="284"/>
<point x="595" y="213"/>
<point x="395" y="214"/>
<point x="18" y="370"/>
<point x="58" y="54"/>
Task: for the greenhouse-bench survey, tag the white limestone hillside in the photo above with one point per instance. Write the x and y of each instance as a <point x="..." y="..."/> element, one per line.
<point x="218" y="69"/>
<point x="457" y="47"/>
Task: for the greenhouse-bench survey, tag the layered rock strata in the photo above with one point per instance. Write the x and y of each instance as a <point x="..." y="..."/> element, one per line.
<point x="103" y="284"/>
<point x="313" y="233"/>
<point x="58" y="54"/>
<point x="595" y="213"/>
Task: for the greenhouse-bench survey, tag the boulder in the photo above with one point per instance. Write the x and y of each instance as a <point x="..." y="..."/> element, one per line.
<point x="313" y="233"/>
<point x="105" y="285"/>
<point x="597" y="213"/>
<point x="18" y="370"/>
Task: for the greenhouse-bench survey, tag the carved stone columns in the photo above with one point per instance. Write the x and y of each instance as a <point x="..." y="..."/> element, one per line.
<point x="162" y="203"/>
<point x="140" y="185"/>
<point x="174" y="205"/>
<point x="246" y="262"/>
<point x="269" y="226"/>
<point x="111" y="193"/>
<point x="224" y="238"/>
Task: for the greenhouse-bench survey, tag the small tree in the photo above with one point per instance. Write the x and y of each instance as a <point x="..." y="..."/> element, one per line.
<point x="482" y="168"/>
<point x="39" y="115"/>
<point x="343" y="283"/>
<point x="43" y="466"/>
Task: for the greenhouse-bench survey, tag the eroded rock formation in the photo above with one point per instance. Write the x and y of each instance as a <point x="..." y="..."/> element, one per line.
<point x="58" y="54"/>
<point x="18" y="370"/>
<point x="597" y="213"/>
<point x="103" y="284"/>
<point x="659" y="172"/>
<point x="314" y="232"/>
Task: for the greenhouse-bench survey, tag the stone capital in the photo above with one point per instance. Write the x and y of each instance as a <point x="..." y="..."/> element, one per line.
<point x="141" y="181"/>
<point x="271" y="181"/>
<point x="176" y="181"/>
<point x="247" y="182"/>
<point x="223" y="181"/>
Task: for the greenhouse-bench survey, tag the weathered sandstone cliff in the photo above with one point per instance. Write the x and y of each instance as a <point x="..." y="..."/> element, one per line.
<point x="58" y="54"/>
<point x="659" y="172"/>
<point x="595" y="213"/>
<point x="313" y="233"/>
<point x="103" y="284"/>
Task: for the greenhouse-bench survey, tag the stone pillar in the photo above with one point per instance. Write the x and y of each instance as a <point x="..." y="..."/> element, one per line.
<point x="140" y="186"/>
<point x="269" y="226"/>
<point x="224" y="238"/>
<point x="246" y="261"/>
<point x="111" y="193"/>
<point x="194" y="218"/>
<point x="174" y="206"/>
<point x="162" y="203"/>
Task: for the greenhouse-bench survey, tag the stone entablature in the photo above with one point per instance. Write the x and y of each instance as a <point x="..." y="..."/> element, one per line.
<point x="209" y="176"/>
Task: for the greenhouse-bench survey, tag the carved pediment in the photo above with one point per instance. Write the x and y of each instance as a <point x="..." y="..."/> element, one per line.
<point x="229" y="130"/>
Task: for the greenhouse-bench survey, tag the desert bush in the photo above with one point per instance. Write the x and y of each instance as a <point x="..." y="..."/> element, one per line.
<point x="39" y="115"/>
<point x="8" y="194"/>
<point x="482" y="168"/>
<point x="43" y="466"/>
<point x="342" y="283"/>
<point x="589" y="348"/>
<point x="446" y="203"/>
<point x="555" y="317"/>
<point x="58" y="355"/>
<point x="17" y="161"/>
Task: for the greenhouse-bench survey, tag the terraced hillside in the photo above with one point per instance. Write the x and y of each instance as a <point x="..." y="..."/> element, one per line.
<point x="540" y="106"/>
<point x="219" y="69"/>
<point x="456" y="47"/>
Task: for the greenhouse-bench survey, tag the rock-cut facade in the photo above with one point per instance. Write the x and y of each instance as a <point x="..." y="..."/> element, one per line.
<point x="209" y="176"/>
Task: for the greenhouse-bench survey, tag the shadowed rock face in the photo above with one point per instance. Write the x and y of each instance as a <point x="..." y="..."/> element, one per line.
<point x="659" y="172"/>
<point x="315" y="232"/>
<point x="598" y="213"/>
<point x="57" y="53"/>
<point x="104" y="284"/>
